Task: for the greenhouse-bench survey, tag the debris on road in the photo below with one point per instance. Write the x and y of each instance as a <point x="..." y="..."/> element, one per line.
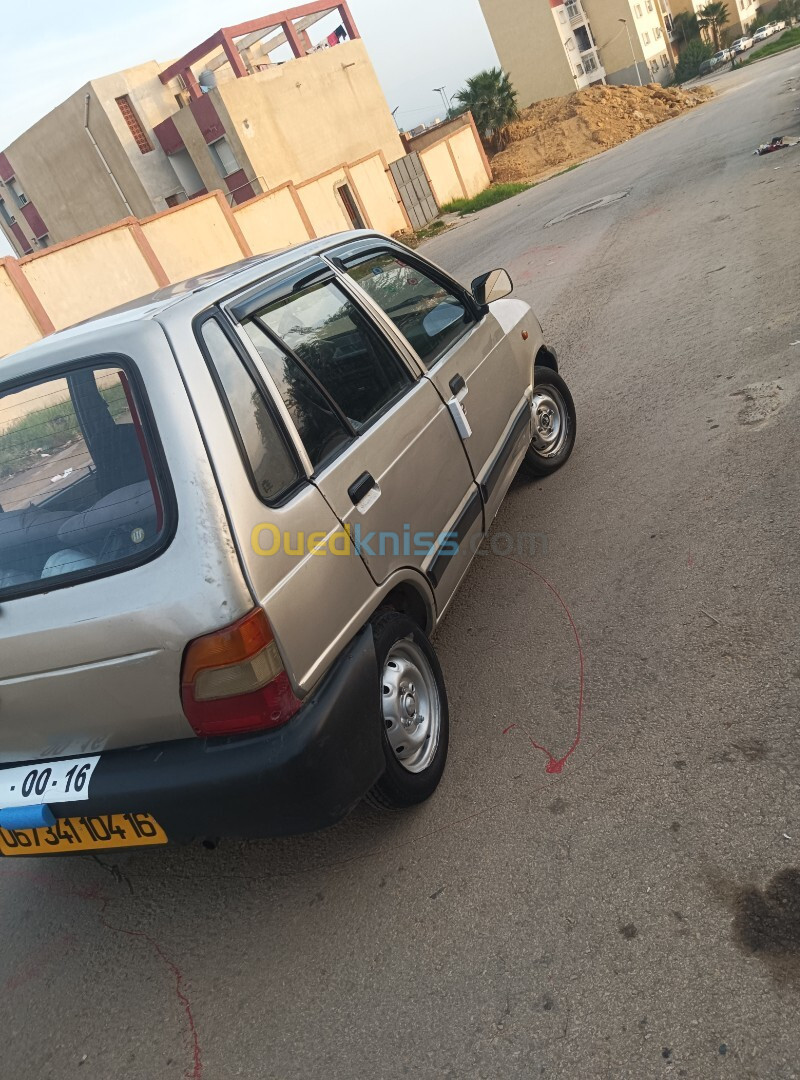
<point x="778" y="143"/>
<point x="564" y="131"/>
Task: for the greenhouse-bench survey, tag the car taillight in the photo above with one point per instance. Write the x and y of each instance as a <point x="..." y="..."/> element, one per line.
<point x="233" y="680"/>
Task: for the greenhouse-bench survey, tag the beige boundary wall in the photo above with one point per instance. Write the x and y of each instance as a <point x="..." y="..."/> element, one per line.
<point x="80" y="278"/>
<point x="455" y="163"/>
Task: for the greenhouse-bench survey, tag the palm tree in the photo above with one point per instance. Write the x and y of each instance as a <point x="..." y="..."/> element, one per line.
<point x="713" y="17"/>
<point x="492" y="100"/>
<point x="685" y="24"/>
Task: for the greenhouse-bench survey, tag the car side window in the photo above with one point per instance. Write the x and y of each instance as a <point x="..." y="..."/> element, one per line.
<point x="273" y="465"/>
<point x="339" y="349"/>
<point x="430" y="316"/>
<point x="323" y="431"/>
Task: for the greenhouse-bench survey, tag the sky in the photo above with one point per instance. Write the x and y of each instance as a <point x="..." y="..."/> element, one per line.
<point x="415" y="45"/>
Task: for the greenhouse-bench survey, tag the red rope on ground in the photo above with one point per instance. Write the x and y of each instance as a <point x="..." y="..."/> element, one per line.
<point x="554" y="764"/>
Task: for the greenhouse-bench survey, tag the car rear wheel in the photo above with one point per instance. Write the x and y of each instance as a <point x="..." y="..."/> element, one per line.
<point x="554" y="423"/>
<point x="414" y="714"/>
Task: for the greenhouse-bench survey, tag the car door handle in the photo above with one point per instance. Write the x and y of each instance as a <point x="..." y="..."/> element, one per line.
<point x="457" y="386"/>
<point x="459" y="418"/>
<point x="359" y="490"/>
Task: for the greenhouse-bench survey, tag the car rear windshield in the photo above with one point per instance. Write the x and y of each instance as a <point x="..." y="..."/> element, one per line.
<point x="78" y="489"/>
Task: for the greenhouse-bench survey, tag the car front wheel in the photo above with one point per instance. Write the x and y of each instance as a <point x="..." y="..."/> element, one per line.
<point x="414" y="714"/>
<point x="554" y="423"/>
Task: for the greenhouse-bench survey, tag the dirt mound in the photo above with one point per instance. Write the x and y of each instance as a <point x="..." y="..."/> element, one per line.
<point x="559" y="132"/>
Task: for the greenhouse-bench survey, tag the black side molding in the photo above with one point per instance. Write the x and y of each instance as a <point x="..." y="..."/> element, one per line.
<point x="460" y="531"/>
<point x="507" y="449"/>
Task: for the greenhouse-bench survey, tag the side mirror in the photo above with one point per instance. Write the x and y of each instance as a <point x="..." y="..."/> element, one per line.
<point x="492" y="286"/>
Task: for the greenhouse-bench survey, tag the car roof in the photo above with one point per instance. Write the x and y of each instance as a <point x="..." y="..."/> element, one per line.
<point x="196" y="292"/>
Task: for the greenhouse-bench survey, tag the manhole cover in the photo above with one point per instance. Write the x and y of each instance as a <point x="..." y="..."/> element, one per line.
<point x="597" y="204"/>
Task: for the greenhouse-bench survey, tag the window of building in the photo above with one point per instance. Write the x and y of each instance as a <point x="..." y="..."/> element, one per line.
<point x="429" y="316"/>
<point x="638" y="10"/>
<point x="562" y="17"/>
<point x="656" y="32"/>
<point x="134" y="124"/>
<point x="583" y="39"/>
<point x="186" y="171"/>
<point x="272" y="463"/>
<point x="9" y="219"/>
<point x="664" y="60"/>
<point x="649" y="5"/>
<point x="43" y="241"/>
<point x="15" y="188"/>
<point x="224" y="158"/>
<point x="645" y="37"/>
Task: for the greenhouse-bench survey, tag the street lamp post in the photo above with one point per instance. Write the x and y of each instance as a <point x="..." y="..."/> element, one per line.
<point x="633" y="54"/>
<point x="445" y="98"/>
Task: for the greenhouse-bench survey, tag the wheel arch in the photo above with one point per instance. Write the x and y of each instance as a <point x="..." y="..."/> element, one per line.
<point x="412" y="599"/>
<point x="546" y="357"/>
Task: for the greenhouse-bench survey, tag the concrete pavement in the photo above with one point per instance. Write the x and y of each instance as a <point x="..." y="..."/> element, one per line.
<point x="592" y="923"/>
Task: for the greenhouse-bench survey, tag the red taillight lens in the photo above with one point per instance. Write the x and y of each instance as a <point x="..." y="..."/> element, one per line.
<point x="233" y="680"/>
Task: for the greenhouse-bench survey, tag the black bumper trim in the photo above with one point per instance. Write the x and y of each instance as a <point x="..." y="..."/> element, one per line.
<point x="302" y="777"/>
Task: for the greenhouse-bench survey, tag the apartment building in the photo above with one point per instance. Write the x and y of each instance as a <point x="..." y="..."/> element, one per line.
<point x="741" y="14"/>
<point x="551" y="47"/>
<point x="279" y="99"/>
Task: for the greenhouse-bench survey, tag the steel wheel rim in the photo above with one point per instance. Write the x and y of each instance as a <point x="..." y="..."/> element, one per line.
<point x="411" y="707"/>
<point x="550" y="421"/>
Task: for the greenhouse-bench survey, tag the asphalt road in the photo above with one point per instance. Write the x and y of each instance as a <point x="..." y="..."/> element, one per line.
<point x="600" y="921"/>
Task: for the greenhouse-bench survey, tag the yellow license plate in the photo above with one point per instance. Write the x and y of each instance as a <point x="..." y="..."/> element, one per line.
<point x="84" y="834"/>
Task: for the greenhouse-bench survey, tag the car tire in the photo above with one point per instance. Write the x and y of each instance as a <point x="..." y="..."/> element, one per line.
<point x="554" y="423"/>
<point x="414" y="718"/>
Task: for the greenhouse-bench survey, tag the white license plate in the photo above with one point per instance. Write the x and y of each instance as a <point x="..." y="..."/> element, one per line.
<point x="47" y="782"/>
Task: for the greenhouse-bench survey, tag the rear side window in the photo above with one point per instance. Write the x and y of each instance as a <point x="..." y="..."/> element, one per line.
<point x="322" y="430"/>
<point x="273" y="466"/>
<point x="78" y="488"/>
<point x="344" y="351"/>
<point x="332" y="367"/>
<point x="431" y="317"/>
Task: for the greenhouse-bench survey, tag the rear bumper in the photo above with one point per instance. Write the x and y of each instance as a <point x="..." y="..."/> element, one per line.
<point x="305" y="776"/>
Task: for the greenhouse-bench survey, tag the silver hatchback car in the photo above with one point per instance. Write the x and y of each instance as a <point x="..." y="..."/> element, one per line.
<point x="232" y="514"/>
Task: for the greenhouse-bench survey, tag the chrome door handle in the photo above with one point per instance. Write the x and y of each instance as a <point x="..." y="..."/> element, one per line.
<point x="459" y="417"/>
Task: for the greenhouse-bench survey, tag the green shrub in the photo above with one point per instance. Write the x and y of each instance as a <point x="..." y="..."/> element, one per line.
<point x="688" y="66"/>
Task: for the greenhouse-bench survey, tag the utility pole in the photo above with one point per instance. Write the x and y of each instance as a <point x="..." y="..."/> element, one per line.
<point x="633" y="54"/>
